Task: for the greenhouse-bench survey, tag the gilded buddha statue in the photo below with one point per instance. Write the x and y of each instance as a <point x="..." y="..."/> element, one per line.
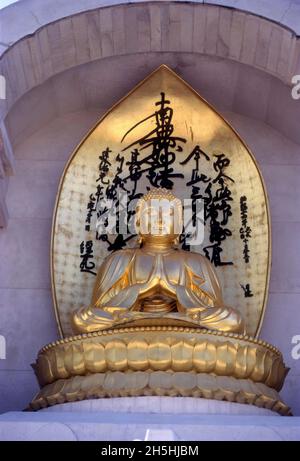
<point x="157" y="324"/>
<point x="157" y="281"/>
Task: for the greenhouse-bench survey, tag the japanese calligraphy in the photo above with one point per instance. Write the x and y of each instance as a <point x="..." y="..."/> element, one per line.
<point x="245" y="230"/>
<point x="86" y="255"/>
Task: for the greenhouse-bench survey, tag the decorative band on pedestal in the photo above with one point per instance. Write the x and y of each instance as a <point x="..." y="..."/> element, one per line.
<point x="158" y="360"/>
<point x="159" y="383"/>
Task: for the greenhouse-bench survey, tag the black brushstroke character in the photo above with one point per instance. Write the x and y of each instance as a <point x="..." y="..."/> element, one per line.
<point x="217" y="204"/>
<point x="196" y="182"/>
<point x="245" y="230"/>
<point x="91" y="207"/>
<point x="86" y="255"/>
<point x="163" y="145"/>
<point x="247" y="290"/>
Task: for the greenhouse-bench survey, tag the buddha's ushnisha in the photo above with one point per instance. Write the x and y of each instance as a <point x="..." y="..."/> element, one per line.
<point x="157" y="283"/>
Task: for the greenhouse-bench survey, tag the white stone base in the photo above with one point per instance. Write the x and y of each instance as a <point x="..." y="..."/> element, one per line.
<point x="162" y="405"/>
<point x="149" y="418"/>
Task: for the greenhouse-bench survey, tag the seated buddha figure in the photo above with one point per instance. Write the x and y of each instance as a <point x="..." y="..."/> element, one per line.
<point x="157" y="282"/>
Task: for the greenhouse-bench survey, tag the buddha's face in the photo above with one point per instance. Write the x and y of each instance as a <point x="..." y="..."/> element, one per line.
<point x="159" y="217"/>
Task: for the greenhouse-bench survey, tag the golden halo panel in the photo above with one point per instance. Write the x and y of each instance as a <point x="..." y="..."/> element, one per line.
<point x="205" y="159"/>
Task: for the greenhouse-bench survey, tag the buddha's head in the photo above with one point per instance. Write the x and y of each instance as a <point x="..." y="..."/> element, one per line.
<point x="159" y="216"/>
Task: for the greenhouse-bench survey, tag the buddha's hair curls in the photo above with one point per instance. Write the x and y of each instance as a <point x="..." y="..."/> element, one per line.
<point x="159" y="193"/>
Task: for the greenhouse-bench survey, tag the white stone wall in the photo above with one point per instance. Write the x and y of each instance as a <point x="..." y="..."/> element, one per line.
<point x="279" y="162"/>
<point x="26" y="16"/>
<point x="26" y="313"/>
<point x="162" y="26"/>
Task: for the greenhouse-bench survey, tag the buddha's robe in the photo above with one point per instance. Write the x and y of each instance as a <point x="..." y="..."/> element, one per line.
<point x="185" y="280"/>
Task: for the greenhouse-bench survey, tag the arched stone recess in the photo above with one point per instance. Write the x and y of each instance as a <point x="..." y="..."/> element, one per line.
<point x="238" y="60"/>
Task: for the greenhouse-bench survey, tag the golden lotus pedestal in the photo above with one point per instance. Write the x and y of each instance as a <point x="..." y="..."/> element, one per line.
<point x="161" y="361"/>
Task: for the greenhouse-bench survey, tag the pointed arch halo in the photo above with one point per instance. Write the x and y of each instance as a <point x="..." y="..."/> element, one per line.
<point x="245" y="282"/>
